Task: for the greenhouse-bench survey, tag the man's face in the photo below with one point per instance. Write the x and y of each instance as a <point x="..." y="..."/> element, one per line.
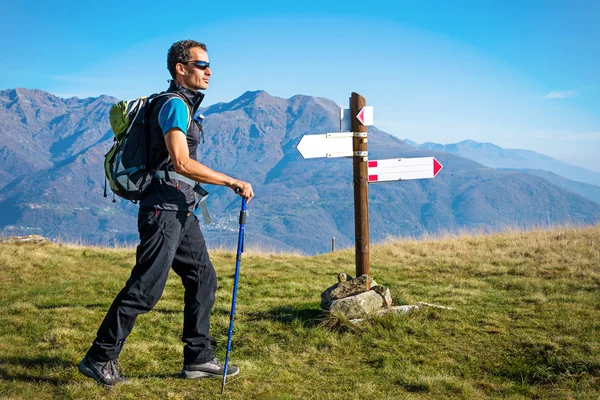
<point x="193" y="77"/>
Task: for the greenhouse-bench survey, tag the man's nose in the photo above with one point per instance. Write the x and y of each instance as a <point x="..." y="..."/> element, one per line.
<point x="207" y="71"/>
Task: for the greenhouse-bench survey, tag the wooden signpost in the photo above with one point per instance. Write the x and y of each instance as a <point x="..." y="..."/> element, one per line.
<point x="361" y="184"/>
<point x="354" y="144"/>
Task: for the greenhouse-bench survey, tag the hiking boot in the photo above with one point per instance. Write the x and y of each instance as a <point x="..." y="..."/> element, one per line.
<point x="108" y="373"/>
<point x="212" y="368"/>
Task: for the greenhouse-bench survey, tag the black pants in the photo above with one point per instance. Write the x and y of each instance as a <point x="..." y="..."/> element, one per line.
<point x="167" y="238"/>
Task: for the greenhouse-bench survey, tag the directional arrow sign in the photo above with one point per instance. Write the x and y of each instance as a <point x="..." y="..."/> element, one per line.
<point x="365" y="115"/>
<point x="401" y="169"/>
<point x="327" y="145"/>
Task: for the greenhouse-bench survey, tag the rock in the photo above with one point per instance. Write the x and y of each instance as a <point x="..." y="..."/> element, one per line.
<point x="401" y="309"/>
<point x="351" y="287"/>
<point x="357" y="306"/>
<point x="396" y="310"/>
<point x="357" y="320"/>
<point x="325" y="299"/>
<point x="422" y="303"/>
<point x="385" y="294"/>
<point x="345" y="289"/>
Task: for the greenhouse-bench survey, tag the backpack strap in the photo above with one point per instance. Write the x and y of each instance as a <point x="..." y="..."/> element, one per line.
<point x="163" y="165"/>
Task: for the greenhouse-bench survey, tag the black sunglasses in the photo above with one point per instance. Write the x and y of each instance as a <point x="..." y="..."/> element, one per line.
<point x="201" y="65"/>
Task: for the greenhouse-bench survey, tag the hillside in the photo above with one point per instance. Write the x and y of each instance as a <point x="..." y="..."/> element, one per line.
<point x="525" y="322"/>
<point x="299" y="205"/>
<point x="591" y="192"/>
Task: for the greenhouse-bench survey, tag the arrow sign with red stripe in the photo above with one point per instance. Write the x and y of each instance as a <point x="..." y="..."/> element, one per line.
<point x="402" y="169"/>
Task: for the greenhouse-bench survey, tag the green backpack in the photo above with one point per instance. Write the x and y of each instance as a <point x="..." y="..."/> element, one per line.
<point x="126" y="163"/>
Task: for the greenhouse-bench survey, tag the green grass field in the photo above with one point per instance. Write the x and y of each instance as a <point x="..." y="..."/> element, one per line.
<point x="525" y="323"/>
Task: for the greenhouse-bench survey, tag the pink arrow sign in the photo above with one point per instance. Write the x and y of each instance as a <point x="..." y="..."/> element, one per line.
<point x="365" y="115"/>
<point x="436" y="167"/>
<point x="402" y="169"/>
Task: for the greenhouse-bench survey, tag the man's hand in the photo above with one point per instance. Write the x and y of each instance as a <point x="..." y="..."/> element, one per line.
<point x="242" y="188"/>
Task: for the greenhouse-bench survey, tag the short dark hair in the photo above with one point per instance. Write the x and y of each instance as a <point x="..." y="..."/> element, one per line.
<point x="179" y="52"/>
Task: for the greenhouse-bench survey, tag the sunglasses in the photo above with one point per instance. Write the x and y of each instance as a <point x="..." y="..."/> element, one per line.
<point x="201" y="65"/>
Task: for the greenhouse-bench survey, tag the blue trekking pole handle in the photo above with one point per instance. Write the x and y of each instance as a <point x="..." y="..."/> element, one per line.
<point x="238" y="259"/>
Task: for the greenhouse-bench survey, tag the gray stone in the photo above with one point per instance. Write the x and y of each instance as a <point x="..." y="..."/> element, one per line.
<point x="401" y="309"/>
<point x="422" y="303"/>
<point x="345" y="289"/>
<point x="385" y="294"/>
<point x="351" y="287"/>
<point x="325" y="297"/>
<point x="396" y="310"/>
<point x="357" y="306"/>
<point x="357" y="320"/>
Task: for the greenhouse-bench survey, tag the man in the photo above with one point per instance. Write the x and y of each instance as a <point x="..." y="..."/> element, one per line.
<point x="170" y="234"/>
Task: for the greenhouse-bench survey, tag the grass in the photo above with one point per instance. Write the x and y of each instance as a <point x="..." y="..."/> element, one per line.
<point x="525" y="323"/>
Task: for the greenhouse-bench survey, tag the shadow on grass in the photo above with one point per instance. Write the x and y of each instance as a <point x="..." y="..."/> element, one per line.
<point x="166" y="311"/>
<point x="173" y="375"/>
<point x="40" y="367"/>
<point x="56" y="306"/>
<point x="542" y="364"/>
<point x="101" y="307"/>
<point x="310" y="317"/>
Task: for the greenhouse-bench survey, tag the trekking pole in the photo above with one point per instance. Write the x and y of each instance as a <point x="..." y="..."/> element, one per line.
<point x="240" y="249"/>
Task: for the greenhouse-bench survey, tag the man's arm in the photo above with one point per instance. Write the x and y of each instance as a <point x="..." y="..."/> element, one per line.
<point x="180" y="156"/>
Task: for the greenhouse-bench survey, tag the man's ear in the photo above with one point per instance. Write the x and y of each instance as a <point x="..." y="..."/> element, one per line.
<point x="180" y="69"/>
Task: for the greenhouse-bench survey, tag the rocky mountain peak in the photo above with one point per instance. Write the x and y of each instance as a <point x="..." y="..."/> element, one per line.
<point x="258" y="98"/>
<point x="26" y="96"/>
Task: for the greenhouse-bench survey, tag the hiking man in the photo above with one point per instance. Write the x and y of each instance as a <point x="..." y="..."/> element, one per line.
<point x="170" y="234"/>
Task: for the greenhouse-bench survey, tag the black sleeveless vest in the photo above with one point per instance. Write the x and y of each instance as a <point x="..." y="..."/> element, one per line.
<point x="171" y="194"/>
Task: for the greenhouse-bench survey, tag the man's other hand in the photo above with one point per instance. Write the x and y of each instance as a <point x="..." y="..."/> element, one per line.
<point x="242" y="188"/>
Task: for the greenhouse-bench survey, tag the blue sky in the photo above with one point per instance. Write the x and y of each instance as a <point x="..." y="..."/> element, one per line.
<point x="518" y="74"/>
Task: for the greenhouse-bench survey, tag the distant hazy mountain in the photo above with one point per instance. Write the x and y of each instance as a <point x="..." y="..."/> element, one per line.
<point x="53" y="152"/>
<point x="494" y="156"/>
<point x="591" y="192"/>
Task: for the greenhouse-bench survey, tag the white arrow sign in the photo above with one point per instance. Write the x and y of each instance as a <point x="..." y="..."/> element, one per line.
<point x="327" y="145"/>
<point x="401" y="169"/>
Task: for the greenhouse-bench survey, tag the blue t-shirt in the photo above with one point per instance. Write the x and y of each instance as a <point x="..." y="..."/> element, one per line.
<point x="174" y="114"/>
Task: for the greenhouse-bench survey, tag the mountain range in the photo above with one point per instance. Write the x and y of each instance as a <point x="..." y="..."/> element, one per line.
<point x="578" y="180"/>
<point x="494" y="156"/>
<point x="52" y="153"/>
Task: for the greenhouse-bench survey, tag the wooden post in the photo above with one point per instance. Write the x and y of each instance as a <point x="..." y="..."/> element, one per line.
<point x="333" y="244"/>
<point x="361" y="188"/>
